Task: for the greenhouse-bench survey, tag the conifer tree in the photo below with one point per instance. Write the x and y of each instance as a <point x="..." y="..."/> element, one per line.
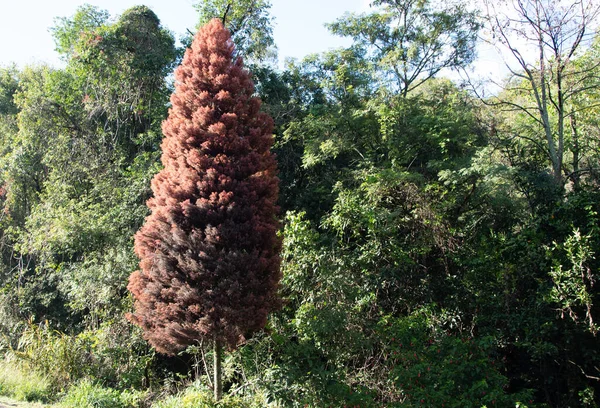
<point x="209" y="250"/>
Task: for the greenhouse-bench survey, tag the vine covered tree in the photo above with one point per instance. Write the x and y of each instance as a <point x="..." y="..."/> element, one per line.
<point x="209" y="250"/>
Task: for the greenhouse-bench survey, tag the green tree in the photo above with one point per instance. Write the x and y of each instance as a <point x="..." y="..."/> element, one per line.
<point x="76" y="171"/>
<point x="409" y="41"/>
<point x="9" y="84"/>
<point x="249" y="23"/>
<point x="67" y="31"/>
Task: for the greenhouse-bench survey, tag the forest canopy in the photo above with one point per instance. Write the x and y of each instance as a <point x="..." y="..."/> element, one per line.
<point x="440" y="242"/>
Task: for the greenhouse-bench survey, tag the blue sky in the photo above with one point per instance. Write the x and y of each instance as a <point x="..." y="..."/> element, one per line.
<point x="298" y="30"/>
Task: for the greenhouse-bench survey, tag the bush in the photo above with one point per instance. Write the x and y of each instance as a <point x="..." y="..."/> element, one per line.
<point x="114" y="354"/>
<point x="119" y="356"/>
<point x="61" y="358"/>
<point x="434" y="367"/>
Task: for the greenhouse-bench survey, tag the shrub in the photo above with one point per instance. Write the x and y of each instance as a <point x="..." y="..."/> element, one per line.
<point x="61" y="358"/>
<point x="434" y="367"/>
<point x="114" y="354"/>
<point x="119" y="356"/>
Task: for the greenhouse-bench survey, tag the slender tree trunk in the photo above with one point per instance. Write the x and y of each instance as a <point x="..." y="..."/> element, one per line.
<point x="575" y="149"/>
<point x="560" y="111"/>
<point x="218" y="385"/>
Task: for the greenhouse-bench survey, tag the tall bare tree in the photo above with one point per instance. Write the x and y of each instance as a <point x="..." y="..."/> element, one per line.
<point x="541" y="40"/>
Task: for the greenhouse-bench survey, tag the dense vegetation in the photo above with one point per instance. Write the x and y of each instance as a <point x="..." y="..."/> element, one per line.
<point x="440" y="247"/>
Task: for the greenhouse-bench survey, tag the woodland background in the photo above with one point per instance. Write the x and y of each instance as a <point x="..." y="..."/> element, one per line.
<point x="440" y="241"/>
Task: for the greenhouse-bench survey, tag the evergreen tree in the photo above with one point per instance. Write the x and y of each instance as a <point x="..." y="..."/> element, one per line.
<point x="209" y="251"/>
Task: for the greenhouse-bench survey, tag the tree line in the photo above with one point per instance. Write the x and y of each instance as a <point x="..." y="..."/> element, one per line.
<point x="439" y="242"/>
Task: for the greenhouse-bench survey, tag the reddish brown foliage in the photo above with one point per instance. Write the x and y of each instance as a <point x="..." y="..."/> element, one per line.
<point x="209" y="250"/>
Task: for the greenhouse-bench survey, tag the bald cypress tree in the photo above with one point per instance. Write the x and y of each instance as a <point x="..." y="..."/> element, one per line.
<point x="209" y="251"/>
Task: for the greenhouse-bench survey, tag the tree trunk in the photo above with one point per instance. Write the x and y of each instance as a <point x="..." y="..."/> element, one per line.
<point x="575" y="150"/>
<point x="218" y="386"/>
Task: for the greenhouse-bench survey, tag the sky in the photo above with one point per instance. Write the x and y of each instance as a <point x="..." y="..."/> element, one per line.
<point x="25" y="39"/>
<point x="298" y="30"/>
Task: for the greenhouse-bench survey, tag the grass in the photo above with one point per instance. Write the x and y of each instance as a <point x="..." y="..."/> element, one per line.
<point x="22" y="387"/>
<point x="199" y="396"/>
<point x="86" y="394"/>
<point x="21" y="383"/>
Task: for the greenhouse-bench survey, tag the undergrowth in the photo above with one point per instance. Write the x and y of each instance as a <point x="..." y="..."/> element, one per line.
<point x="19" y="381"/>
